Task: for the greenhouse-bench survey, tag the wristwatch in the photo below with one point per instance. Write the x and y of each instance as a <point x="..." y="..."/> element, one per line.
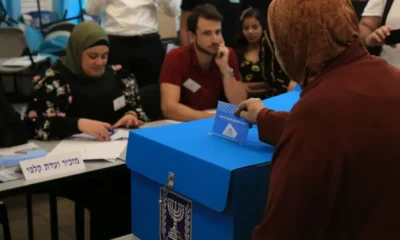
<point x="228" y="74"/>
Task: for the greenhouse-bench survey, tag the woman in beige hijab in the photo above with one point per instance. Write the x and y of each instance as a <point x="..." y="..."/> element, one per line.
<point x="335" y="170"/>
<point x="82" y="94"/>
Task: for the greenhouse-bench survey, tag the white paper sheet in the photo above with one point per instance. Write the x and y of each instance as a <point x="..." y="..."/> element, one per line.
<point x="90" y="149"/>
<point x="9" y="174"/>
<point x="118" y="134"/>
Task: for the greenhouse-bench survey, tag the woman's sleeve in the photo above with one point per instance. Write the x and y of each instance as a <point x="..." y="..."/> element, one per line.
<point x="46" y="114"/>
<point x="130" y="90"/>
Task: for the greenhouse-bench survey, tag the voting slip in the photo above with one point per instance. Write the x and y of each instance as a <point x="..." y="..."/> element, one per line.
<point x="228" y="126"/>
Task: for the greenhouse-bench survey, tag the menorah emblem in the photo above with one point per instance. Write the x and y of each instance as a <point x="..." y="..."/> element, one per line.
<point x="177" y="212"/>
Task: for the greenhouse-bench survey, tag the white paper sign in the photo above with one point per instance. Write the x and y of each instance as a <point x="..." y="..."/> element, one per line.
<point x="191" y="85"/>
<point x="119" y="103"/>
<point x="52" y="165"/>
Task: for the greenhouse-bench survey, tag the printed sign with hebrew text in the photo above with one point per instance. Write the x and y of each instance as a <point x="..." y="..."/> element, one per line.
<point x="52" y="165"/>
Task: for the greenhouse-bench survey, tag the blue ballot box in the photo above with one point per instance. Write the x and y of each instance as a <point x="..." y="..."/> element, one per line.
<point x="188" y="184"/>
<point x="298" y="88"/>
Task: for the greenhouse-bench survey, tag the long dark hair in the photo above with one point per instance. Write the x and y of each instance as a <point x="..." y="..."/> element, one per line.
<point x="241" y="42"/>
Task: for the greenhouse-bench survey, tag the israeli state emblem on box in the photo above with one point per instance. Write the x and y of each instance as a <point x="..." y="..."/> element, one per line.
<point x="175" y="216"/>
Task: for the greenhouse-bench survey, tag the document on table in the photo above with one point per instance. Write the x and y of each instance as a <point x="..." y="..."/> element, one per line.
<point x="117" y="135"/>
<point x="13" y="155"/>
<point x="92" y="150"/>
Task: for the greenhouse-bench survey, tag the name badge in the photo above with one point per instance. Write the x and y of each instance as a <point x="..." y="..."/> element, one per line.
<point x="119" y="103"/>
<point x="228" y="126"/>
<point x="53" y="165"/>
<point x="191" y="85"/>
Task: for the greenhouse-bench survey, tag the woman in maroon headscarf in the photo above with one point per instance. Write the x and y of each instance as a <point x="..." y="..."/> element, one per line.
<point x="335" y="172"/>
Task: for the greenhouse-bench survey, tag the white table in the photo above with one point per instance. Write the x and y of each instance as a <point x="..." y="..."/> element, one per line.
<point x="90" y="165"/>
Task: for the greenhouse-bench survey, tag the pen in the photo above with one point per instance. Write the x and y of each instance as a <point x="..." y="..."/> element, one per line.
<point x="111" y="132"/>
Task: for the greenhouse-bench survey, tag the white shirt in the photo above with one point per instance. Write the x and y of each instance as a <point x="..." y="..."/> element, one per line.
<point x="375" y="8"/>
<point x="131" y="17"/>
<point x="178" y="17"/>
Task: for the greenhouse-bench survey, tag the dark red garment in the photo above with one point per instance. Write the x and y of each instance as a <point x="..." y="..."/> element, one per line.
<point x="336" y="171"/>
<point x="181" y="64"/>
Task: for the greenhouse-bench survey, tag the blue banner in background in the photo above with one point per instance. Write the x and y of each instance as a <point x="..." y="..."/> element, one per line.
<point x="227" y="125"/>
<point x="72" y="7"/>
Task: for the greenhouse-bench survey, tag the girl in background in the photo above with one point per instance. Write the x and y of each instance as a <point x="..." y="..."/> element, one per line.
<point x="260" y="71"/>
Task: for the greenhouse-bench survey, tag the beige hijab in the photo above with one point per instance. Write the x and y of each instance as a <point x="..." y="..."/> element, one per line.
<point x="83" y="36"/>
<point x="309" y="34"/>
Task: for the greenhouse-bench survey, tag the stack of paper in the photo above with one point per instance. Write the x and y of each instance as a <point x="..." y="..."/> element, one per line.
<point x="13" y="155"/>
<point x="9" y="174"/>
<point x="10" y="158"/>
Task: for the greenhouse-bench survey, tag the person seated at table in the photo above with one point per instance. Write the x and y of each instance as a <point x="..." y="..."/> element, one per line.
<point x="196" y="76"/>
<point x="12" y="129"/>
<point x="335" y="171"/>
<point x="260" y="71"/>
<point x="80" y="93"/>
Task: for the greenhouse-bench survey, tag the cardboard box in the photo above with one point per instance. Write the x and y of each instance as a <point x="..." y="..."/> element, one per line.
<point x="217" y="188"/>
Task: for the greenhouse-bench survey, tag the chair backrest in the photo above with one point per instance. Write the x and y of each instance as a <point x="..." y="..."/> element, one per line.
<point x="151" y="100"/>
<point x="12" y="42"/>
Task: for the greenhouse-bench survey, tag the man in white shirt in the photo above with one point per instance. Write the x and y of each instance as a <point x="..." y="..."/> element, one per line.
<point x="374" y="31"/>
<point x="132" y="26"/>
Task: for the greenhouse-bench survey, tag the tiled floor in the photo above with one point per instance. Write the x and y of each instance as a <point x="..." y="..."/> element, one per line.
<point x="41" y="218"/>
